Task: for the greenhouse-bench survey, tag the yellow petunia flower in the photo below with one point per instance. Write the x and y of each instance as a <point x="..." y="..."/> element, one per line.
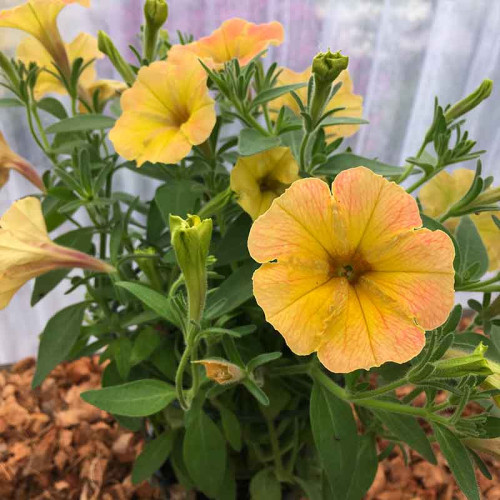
<point x="347" y="274"/>
<point x="445" y="189"/>
<point x="165" y="113"/>
<point x="12" y="161"/>
<point x="26" y="250"/>
<point x="344" y="98"/>
<point x="259" y="179"/>
<point x="39" y="19"/>
<point x="84" y="46"/>
<point x="234" y="39"/>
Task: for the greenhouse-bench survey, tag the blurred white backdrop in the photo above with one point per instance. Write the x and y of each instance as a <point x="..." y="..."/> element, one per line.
<point x="402" y="54"/>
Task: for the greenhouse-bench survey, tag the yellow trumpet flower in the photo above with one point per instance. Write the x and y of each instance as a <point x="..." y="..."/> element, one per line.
<point x="348" y="273"/>
<point x="259" y="179"/>
<point x="444" y="190"/>
<point x="26" y="250"/>
<point x="165" y="113"/>
<point x="344" y="98"/>
<point x="234" y="39"/>
<point x="12" y="161"/>
<point x="39" y="19"/>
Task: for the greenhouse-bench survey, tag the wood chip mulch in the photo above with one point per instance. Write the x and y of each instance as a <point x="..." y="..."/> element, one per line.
<point x="55" y="446"/>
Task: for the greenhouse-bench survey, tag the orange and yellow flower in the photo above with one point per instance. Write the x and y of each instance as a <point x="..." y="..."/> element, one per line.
<point x="344" y="98"/>
<point x="444" y="190"/>
<point x="83" y="46"/>
<point x="39" y="19"/>
<point x="234" y="39"/>
<point x="259" y="179"/>
<point x="12" y="161"/>
<point x="221" y="371"/>
<point x="348" y="274"/>
<point x="165" y="113"/>
<point x="26" y="250"/>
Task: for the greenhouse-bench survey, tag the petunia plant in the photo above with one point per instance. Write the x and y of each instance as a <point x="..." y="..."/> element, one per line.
<point x="282" y="313"/>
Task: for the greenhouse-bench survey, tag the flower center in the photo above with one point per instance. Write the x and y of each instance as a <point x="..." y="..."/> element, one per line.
<point x="267" y="184"/>
<point x="352" y="270"/>
<point x="181" y="116"/>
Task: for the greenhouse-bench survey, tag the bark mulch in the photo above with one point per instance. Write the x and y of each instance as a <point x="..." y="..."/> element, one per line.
<point x="53" y="445"/>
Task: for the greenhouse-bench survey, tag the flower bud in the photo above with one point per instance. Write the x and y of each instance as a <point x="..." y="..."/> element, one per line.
<point x="155" y="14"/>
<point x="327" y="66"/>
<point x="457" y="363"/>
<point x="191" y="241"/>
<point x="221" y="371"/>
<point x="490" y="446"/>
<point x="470" y="102"/>
<point x="9" y="71"/>
<point x="106" y="46"/>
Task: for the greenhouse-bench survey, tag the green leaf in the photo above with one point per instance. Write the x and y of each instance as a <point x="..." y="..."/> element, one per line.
<point x="434" y="225"/>
<point x="233" y="246"/>
<point x="480" y="464"/>
<point x="491" y="427"/>
<point x="343" y="120"/>
<point x="227" y="490"/>
<point x="53" y="106"/>
<point x="231" y="427"/>
<point x="8" y="102"/>
<point x="178" y="197"/>
<point x="262" y="359"/>
<point x="133" y="399"/>
<point x="81" y="123"/>
<point x="256" y="391"/>
<point x="343" y="161"/>
<point x="79" y="239"/>
<point x="366" y="468"/>
<point x="264" y="485"/>
<point x="458" y="460"/>
<point x="144" y="345"/>
<point x="336" y="438"/>
<point x="271" y="94"/>
<point x="160" y="304"/>
<point x="311" y="488"/>
<point x="251" y="142"/>
<point x="472" y="250"/>
<point x="407" y="429"/>
<point x="154" y="454"/>
<point x="122" y="350"/>
<point x="234" y="291"/>
<point x="57" y="339"/>
<point x="204" y="454"/>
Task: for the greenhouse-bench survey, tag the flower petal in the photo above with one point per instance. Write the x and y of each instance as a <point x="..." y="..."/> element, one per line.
<point x="297" y="227"/>
<point x="490" y="234"/>
<point x="298" y="300"/>
<point x="368" y="331"/>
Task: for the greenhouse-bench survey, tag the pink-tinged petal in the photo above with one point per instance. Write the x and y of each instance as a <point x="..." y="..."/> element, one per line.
<point x="416" y="270"/>
<point x="298" y="226"/>
<point x="298" y="300"/>
<point x="368" y="331"/>
<point x="374" y="210"/>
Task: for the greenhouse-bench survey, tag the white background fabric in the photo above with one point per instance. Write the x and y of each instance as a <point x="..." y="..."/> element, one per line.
<point x="403" y="53"/>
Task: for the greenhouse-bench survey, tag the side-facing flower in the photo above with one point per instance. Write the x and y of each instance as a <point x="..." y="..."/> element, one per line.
<point x="344" y="98"/>
<point x="444" y="190"/>
<point x="258" y="179"/>
<point x="348" y="274"/>
<point x="234" y="39"/>
<point x="26" y="250"/>
<point x="39" y="19"/>
<point x="83" y="46"/>
<point x="12" y="161"/>
<point x="165" y="113"/>
<point x="221" y="371"/>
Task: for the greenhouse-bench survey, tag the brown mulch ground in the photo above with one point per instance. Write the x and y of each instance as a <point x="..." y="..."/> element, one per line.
<point x="53" y="445"/>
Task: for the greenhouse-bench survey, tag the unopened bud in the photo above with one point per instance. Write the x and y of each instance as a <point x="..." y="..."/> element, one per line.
<point x="155" y="14"/>
<point x="222" y="371"/>
<point x="191" y="241"/>
<point x="470" y="102"/>
<point x="106" y="46"/>
<point x="460" y="364"/>
<point x="327" y="66"/>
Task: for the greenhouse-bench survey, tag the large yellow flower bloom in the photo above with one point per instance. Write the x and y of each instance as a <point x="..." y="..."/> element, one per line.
<point x="445" y="189"/>
<point x="344" y="98"/>
<point x="348" y="274"/>
<point x="12" y="161"/>
<point x="84" y="46"/>
<point x="234" y="39"/>
<point x="165" y="113"/>
<point x="26" y="250"/>
<point x="39" y="19"/>
<point x="259" y="179"/>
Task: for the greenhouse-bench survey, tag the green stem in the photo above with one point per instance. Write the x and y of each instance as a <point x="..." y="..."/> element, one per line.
<point x="303" y="149"/>
<point x="478" y="287"/>
<point x="278" y="462"/>
<point x="410" y="167"/>
<point x="179" y="374"/>
<point x="380" y="390"/>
